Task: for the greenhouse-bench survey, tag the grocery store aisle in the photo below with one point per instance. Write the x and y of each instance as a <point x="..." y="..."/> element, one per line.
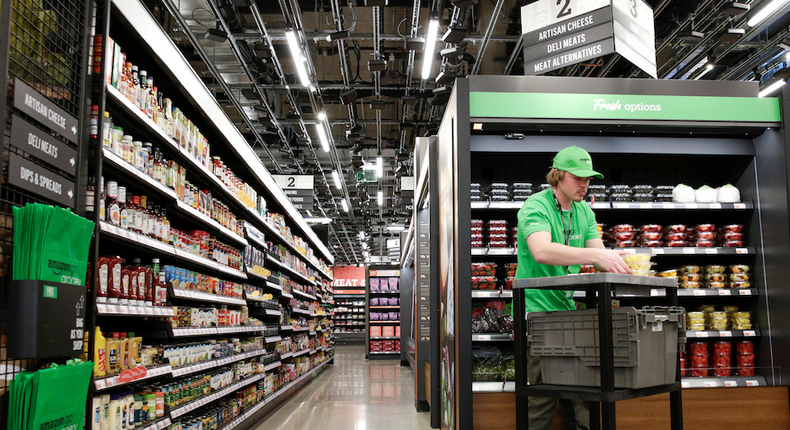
<point x="353" y="394"/>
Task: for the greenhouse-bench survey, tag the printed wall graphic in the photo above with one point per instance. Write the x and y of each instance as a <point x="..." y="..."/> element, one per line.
<point x="447" y="276"/>
<point x="349" y="279"/>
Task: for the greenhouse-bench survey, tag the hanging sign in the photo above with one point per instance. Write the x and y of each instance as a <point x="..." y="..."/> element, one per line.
<point x="299" y="189"/>
<point x="634" y="34"/>
<point x="348" y="279"/>
<point x="45" y="111"/>
<point x="36" y="179"/>
<point x="407" y="193"/>
<point x="42" y="145"/>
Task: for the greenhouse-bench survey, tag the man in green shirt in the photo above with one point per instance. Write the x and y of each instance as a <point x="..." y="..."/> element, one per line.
<point x="557" y="234"/>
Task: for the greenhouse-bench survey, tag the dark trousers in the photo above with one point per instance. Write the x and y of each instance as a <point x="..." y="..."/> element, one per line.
<point x="542" y="409"/>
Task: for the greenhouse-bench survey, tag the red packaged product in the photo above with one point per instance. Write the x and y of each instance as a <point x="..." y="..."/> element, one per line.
<point x="731" y="235"/>
<point x="722" y="371"/>
<point x="650" y="235"/>
<point x="625" y="244"/>
<point x="733" y="243"/>
<point x="651" y="228"/>
<point x="676" y="243"/>
<point x="704" y="227"/>
<point x="676" y="228"/>
<point x="620" y="228"/>
<point x="675" y="236"/>
<point x="698" y="348"/>
<point x="722" y="347"/>
<point x="509" y="283"/>
<point x="699" y="371"/>
<point x="721" y="360"/>
<point x="652" y="244"/>
<point x="682" y="365"/>
<point x="103" y="281"/>
<point x="497" y="223"/>
<point x="699" y="360"/>
<point x="706" y="235"/>
<point x="745" y="347"/>
<point x="701" y="243"/>
<point x="477" y="223"/>
<point x="746" y="364"/>
<point x="497" y="244"/>
<point x="624" y="235"/>
<point x="587" y="268"/>
<point x="476" y="237"/>
<point x="477" y="244"/>
<point x="735" y="228"/>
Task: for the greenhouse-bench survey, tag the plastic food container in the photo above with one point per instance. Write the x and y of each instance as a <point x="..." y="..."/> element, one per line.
<point x="694" y="277"/>
<point x="625" y="244"/>
<point x="696" y="327"/>
<point x="706" y="235"/>
<point x="499" y="198"/>
<point x="715" y="277"/>
<point x="722" y="371"/>
<point x="624" y="235"/>
<point x="497" y="223"/>
<point x="620" y="189"/>
<point x="745" y="347"/>
<point x="497" y="230"/>
<point x="663" y="197"/>
<point x="483" y="282"/>
<point x="739" y="268"/>
<point x="734" y="228"/>
<point x="691" y="285"/>
<point x="620" y="197"/>
<point x="621" y="228"/>
<point x="698" y="348"/>
<point x="651" y="228"/>
<point x="690" y="268"/>
<point x="677" y="243"/>
<point x="676" y="236"/>
<point x="476" y="237"/>
<point x="716" y="285"/>
<point x="642" y="189"/>
<point x="640" y="266"/>
<point x="746" y="364"/>
<point x="733" y="243"/>
<point x="587" y="268"/>
<point x="636" y="258"/>
<point x="700" y="359"/>
<point x="499" y="185"/>
<point x="731" y="235"/>
<point x="704" y="227"/>
<point x="477" y="244"/>
<point x="497" y="244"/>
<point x="525" y="185"/>
<point x="722" y="347"/>
<point x="652" y="243"/>
<point x="676" y="228"/>
<point x="477" y="223"/>
<point x="739" y="277"/>
<point x="714" y="268"/>
<point x="650" y="235"/>
<point x="483" y="269"/>
<point x="671" y="273"/>
<point x="639" y="197"/>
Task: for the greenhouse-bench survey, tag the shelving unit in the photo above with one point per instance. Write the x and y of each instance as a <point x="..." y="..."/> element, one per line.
<point x="147" y="44"/>
<point x="390" y="348"/>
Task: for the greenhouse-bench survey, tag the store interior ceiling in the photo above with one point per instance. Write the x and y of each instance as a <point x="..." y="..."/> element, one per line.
<point x="288" y="71"/>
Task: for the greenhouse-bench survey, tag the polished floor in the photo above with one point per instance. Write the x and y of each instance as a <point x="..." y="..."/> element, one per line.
<point x="353" y="394"/>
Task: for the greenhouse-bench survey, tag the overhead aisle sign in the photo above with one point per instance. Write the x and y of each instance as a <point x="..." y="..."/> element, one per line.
<point x="558" y="34"/>
<point x="299" y="189"/>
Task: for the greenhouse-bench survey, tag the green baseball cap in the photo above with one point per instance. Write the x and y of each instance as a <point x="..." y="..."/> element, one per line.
<point x="576" y="161"/>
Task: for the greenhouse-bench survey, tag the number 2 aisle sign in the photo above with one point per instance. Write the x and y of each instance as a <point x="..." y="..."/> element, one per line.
<point x="298" y="189"/>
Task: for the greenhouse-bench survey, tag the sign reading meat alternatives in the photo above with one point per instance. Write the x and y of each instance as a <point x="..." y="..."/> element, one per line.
<point x="560" y="33"/>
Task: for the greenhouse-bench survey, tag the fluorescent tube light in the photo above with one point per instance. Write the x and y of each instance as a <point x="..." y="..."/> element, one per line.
<point x="430" y="48"/>
<point x="336" y="177"/>
<point x="765" y="12"/>
<point x="321" y="116"/>
<point x="380" y="166"/>
<point x="381" y="198"/>
<point x="322" y="136"/>
<point x="770" y="89"/>
<point x="298" y="56"/>
<point x="345" y="205"/>
<point x="396" y="228"/>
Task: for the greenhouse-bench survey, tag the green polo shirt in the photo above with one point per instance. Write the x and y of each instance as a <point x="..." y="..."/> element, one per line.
<point x="539" y="213"/>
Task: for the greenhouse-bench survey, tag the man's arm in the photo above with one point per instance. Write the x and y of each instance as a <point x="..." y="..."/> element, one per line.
<point x="555" y="254"/>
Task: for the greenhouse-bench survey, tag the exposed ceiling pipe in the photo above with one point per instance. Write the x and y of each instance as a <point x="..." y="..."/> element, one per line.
<point x="487" y="36"/>
<point x="415" y="25"/>
<point x="174" y="11"/>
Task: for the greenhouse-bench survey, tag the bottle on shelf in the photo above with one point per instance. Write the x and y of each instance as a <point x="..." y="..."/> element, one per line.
<point x="166" y="228"/>
<point x="90" y="198"/>
<point x="107" y="131"/>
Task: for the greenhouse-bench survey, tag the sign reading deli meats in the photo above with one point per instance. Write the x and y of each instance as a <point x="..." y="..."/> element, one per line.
<point x="560" y="33"/>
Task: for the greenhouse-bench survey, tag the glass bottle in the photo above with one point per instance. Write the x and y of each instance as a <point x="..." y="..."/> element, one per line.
<point x="90" y="198"/>
<point x="137" y="155"/>
<point x="113" y="203"/>
<point x="151" y="112"/>
<point x="148" y="158"/>
<point x="125" y="214"/>
<point x="145" y="214"/>
<point x="106" y="132"/>
<point x="102" y="198"/>
<point x="165" y="227"/>
<point x="142" y="91"/>
<point x="136" y="220"/>
<point x="134" y="86"/>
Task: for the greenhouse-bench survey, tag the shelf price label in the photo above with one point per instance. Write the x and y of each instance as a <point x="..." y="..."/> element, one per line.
<point x="713" y="251"/>
<point x="667" y="205"/>
<point x="657" y="251"/>
<point x="749" y="333"/>
<point x="739" y="205"/>
<point x="725" y="333"/>
<point x="699" y="292"/>
<point x="752" y="383"/>
<point x="723" y="292"/>
<point x="700" y="334"/>
<point x="745" y="292"/>
<point x="710" y="384"/>
<point x="715" y="205"/>
<point x="688" y="250"/>
<point x="646" y="205"/>
<point x="730" y="383"/>
<point x="740" y="251"/>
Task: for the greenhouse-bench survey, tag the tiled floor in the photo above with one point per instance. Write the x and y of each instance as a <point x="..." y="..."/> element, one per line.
<point x="353" y="394"/>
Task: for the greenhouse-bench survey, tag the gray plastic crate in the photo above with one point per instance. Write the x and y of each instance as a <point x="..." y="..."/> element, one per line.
<point x="645" y="343"/>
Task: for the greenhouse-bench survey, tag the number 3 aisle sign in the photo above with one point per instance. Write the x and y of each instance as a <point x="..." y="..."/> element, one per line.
<point x="298" y="188"/>
<point x="559" y="33"/>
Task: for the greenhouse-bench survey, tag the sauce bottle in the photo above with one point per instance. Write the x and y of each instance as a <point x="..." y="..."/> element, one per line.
<point x="102" y="282"/>
<point x="125" y="282"/>
<point x="114" y="280"/>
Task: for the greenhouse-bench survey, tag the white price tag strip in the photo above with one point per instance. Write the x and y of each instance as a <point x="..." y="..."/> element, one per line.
<point x="684" y="384"/>
<point x="688" y="250"/>
<point x="657" y="251"/>
<point x="739" y="205"/>
<point x="730" y="383"/>
<point x="698" y="292"/>
<point x="691" y="206"/>
<point x="710" y="384"/>
<point x="752" y="383"/>
<point x="745" y="292"/>
<point x="715" y="205"/>
<point x="646" y="205"/>
<point x="740" y="251"/>
<point x="723" y="292"/>
<point x="712" y="251"/>
<point x="725" y="333"/>
<point x="667" y="205"/>
<point x="700" y="334"/>
<point x="749" y="333"/>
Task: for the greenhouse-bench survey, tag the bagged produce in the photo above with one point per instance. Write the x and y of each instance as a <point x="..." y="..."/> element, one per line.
<point x="706" y="194"/>
<point x="729" y="194"/>
<point x="683" y="194"/>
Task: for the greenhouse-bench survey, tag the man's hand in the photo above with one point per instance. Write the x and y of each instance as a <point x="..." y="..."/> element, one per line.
<point x="610" y="261"/>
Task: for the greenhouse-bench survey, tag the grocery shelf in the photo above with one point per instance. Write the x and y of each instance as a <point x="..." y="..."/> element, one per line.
<point x="385" y="307"/>
<point x="386" y="338"/>
<point x="303" y="294"/>
<point x="186" y="370"/>
<point x="383" y="293"/>
<point x="158" y="425"/>
<point x="121" y="164"/>
<point x="290" y="270"/>
<point x="301" y="352"/>
<point x="286" y="355"/>
<point x="272" y="366"/>
<point x="274" y="286"/>
<point x="286" y="328"/>
<point x="196" y="214"/>
<point x="203" y="297"/>
<point x="300" y="329"/>
<point x="311" y="333"/>
<point x="272" y="339"/>
<point x="211" y="264"/>
<point x="272" y="312"/>
<point x="301" y="311"/>
<point x="384" y="352"/>
<point x="177" y="412"/>
<point x="250" y="273"/>
<point x="286" y="295"/>
<point x="492" y="294"/>
<point x="255" y="235"/>
<point x="116" y="232"/>
<point x="491" y="337"/>
<point x="494" y="387"/>
<point x="106" y="309"/>
<point x="114" y="381"/>
<point x="725" y="381"/>
<point x="702" y="334"/>
<point x="385" y="322"/>
<point x="212" y="331"/>
<point x="708" y="292"/>
<point x="628" y="205"/>
<point x="747" y="250"/>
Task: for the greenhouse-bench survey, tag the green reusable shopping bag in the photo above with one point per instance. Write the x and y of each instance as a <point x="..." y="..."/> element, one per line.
<point x="64" y="248"/>
<point x="50" y="409"/>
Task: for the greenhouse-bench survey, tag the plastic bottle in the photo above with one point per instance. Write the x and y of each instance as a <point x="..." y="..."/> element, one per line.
<point x="96" y="413"/>
<point x="149" y="407"/>
<point x="124" y="214"/>
<point x="99" y="351"/>
<point x="113" y="206"/>
<point x="112" y="354"/>
<point x="129" y="400"/>
<point x="106" y="131"/>
<point x="138" y="409"/>
<point x="160" y="403"/>
<point x="123" y="358"/>
<point x="114" y="281"/>
<point x="125" y="282"/>
<point x="105" y="405"/>
<point x="124" y="411"/>
<point x="115" y="412"/>
<point x="134" y="349"/>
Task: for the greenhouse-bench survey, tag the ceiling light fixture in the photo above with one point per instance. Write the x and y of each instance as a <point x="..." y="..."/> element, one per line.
<point x="708" y="68"/>
<point x="771" y="88"/>
<point x="321" y="116"/>
<point x="454" y="35"/>
<point x="344" y="204"/>
<point x="331" y="37"/>
<point x="299" y="59"/>
<point x="216" y="34"/>
<point x="336" y="177"/>
<point x="396" y="228"/>
<point x="765" y="12"/>
<point x="322" y="136"/>
<point x="381" y="198"/>
<point x="430" y="48"/>
<point x="380" y="166"/>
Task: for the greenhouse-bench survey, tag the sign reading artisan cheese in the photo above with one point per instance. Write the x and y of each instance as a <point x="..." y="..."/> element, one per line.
<point x="298" y="189"/>
<point x="44" y="110"/>
<point x="559" y="35"/>
<point x="623" y="107"/>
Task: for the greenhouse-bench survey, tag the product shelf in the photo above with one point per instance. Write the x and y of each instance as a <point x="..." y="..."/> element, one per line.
<point x="251" y="274"/>
<point x="747" y="250"/>
<point x="494" y="387"/>
<point x="203" y="297"/>
<point x="385" y="322"/>
<point x="301" y="311"/>
<point x="272" y="339"/>
<point x="205" y="219"/>
<point x="698" y="292"/>
<point x="286" y="355"/>
<point x="137" y="239"/>
<point x="177" y="412"/>
<point x="211" y="264"/>
<point x="311" y="333"/>
<point x="492" y="294"/>
<point x="272" y="366"/>
<point x="274" y="286"/>
<point x="186" y="370"/>
<point x="491" y="337"/>
<point x="383" y="293"/>
<point x="300" y="329"/>
<point x="384" y="307"/>
<point x="716" y="334"/>
<point x="287" y="295"/>
<point x="273" y="312"/>
<point x="286" y="328"/>
<point x="158" y="425"/>
<point x="290" y="270"/>
<point x="255" y="235"/>
<point x="107" y="309"/>
<point x="212" y="331"/>
<point x="384" y="352"/>
<point x="386" y="338"/>
<point x="628" y="205"/>
<point x="107" y="382"/>
<point x="119" y="163"/>
<point x="304" y="295"/>
<point x="725" y="381"/>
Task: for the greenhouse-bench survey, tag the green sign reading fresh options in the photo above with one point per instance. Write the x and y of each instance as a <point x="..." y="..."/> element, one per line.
<point x="623" y="107"/>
